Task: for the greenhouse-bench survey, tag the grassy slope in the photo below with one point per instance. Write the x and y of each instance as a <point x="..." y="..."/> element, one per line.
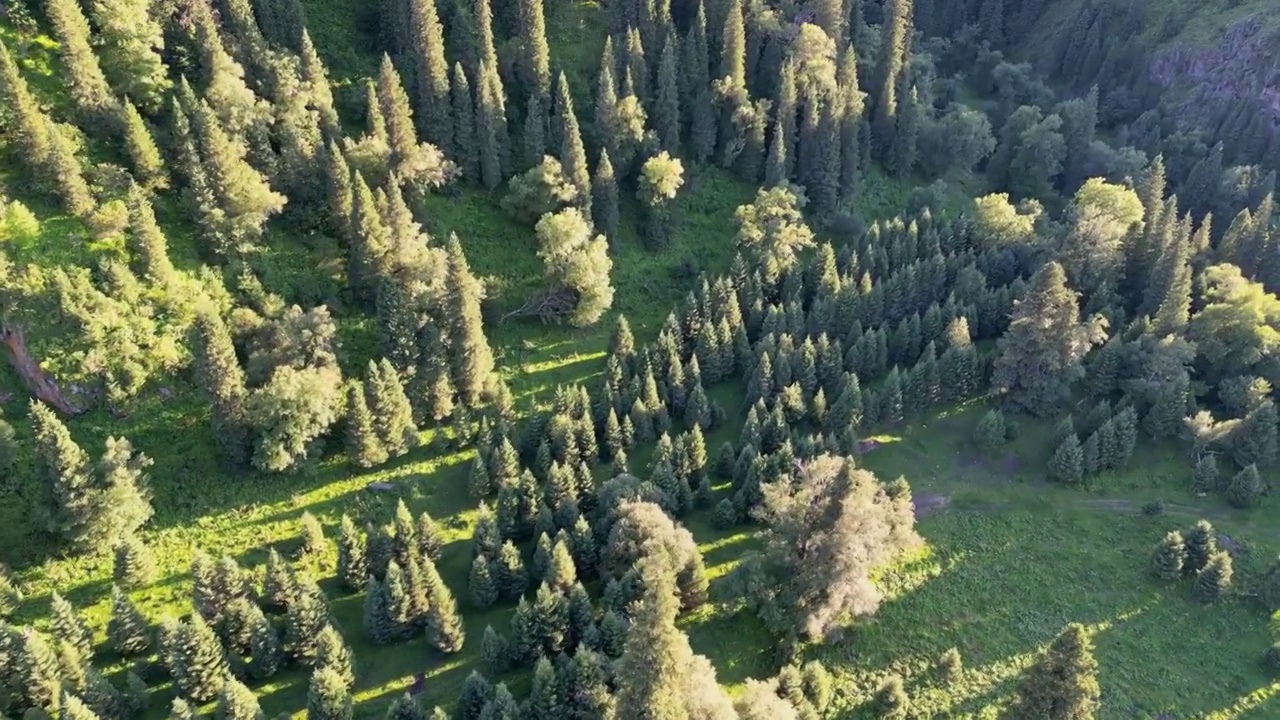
<point x="1004" y="569"/>
<point x="1173" y="23"/>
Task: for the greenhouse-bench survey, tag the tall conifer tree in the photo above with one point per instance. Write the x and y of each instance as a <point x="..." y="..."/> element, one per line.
<point x="89" y="90"/>
<point x="666" y="112"/>
<point x="433" y="75"/>
<point x="132" y="42"/>
<point x="471" y="359"/>
<point x="894" y="54"/>
<point x="466" y="154"/>
<point x="223" y="381"/>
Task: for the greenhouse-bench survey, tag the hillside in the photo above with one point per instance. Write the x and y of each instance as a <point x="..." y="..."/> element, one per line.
<point x="525" y="360"/>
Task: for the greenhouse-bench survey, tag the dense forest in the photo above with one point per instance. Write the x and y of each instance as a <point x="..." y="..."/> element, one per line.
<point x="688" y="359"/>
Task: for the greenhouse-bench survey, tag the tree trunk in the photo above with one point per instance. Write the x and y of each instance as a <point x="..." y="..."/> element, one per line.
<point x="37" y="381"/>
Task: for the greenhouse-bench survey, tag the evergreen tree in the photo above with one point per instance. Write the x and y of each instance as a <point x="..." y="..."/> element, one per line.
<point x="1062" y="684"/>
<point x="604" y="198"/>
<point x="573" y="156"/>
<point x="307" y="617"/>
<point x="890" y="67"/>
<point x="1205" y="479"/>
<point x="534" y="66"/>
<point x="135" y="564"/>
<point x="1067" y="464"/>
<point x="26" y="121"/>
<point x="1214" y="579"/>
<point x="333" y="654"/>
<point x="196" y="660"/>
<point x="65" y="468"/>
<point x="265" y="652"/>
<point x="484" y="589"/>
<point x="328" y="697"/>
<point x="906" y="133"/>
<point x="472" y="360"/>
<point x="320" y="91"/>
<point x="88" y="86"/>
<point x="237" y="702"/>
<point x="352" y="561"/>
<point x="1246" y="488"/>
<point x="128" y="630"/>
<point x="64" y="172"/>
<point x="491" y="126"/>
<point x="379" y="626"/>
<point x="666" y="112"/>
<point x="132" y="43"/>
<point x="544" y="697"/>
<point x="144" y="156"/>
<point x="402" y="136"/>
<point x="1168" y="559"/>
<point x="1042" y="350"/>
<point x="432" y="74"/>
<point x="389" y="406"/>
<point x="70" y="628"/>
<point x="1202" y="542"/>
<point x="466" y="153"/>
<point x="733" y="62"/>
<point x="891" y="699"/>
<point x="364" y="446"/>
<point x="698" y="98"/>
<point x="444" y="622"/>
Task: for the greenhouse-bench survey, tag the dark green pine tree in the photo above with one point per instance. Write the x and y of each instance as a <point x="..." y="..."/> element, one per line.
<point x="1067" y="463"/>
<point x="534" y="66"/>
<point x="88" y="86"/>
<point x="444" y="623"/>
<point x="353" y="564"/>
<point x="379" y="626"/>
<point x="321" y="92"/>
<point x="307" y="617"/>
<point x="1214" y="579"/>
<point x="697" y="88"/>
<point x="1170" y="293"/>
<point x="1170" y="556"/>
<point x="733" y="48"/>
<point x="69" y="627"/>
<point x="906" y="133"/>
<point x="341" y="194"/>
<point x="635" y="68"/>
<point x="402" y="136"/>
<point x="533" y="140"/>
<point x="432" y="72"/>
<point x="851" y="122"/>
<point x="364" y="446"/>
<point x="328" y="697"/>
<point x="237" y="702"/>
<point x="147" y="243"/>
<point x="397" y="320"/>
<point x="606" y="107"/>
<point x="466" y="154"/>
<point x="1062" y="684"/>
<point x="544" y="697"/>
<point x="481" y="583"/>
<point x="573" y="156"/>
<point x="128" y="631"/>
<point x="604" y="198"/>
<point x="471" y="359"/>
<point x="196" y="660"/>
<point x="824" y="184"/>
<point x="64" y="172"/>
<point x="1202" y="542"/>
<point x="26" y="121"/>
<point x="65" y="468"/>
<point x="389" y="406"/>
<point x="140" y="146"/>
<point x="492" y="137"/>
<point x="666" y="106"/>
<point x="131" y="43"/>
<point x="775" y="164"/>
<point x="894" y="53"/>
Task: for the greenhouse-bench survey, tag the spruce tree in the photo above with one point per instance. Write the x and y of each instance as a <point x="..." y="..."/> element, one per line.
<point x="65" y="468"/>
<point x="26" y="119"/>
<point x="237" y="702"/>
<point x="573" y="156"/>
<point x="892" y="63"/>
<point x="328" y="697"/>
<point x="352" y="562"/>
<point x="1168" y="559"/>
<point x="1062" y="684"/>
<point x="70" y="628"/>
<point x="1067" y="464"/>
<point x="492" y="138"/>
<point x="481" y="583"/>
<point x="135" y="564"/>
<point x="64" y="172"/>
<point x="389" y="406"/>
<point x="472" y="360"/>
<point x="534" y="66"/>
<point x="1214" y="579"/>
<point x="266" y="654"/>
<point x="544" y="698"/>
<point x="1205" y="478"/>
<point x="733" y="63"/>
<point x="88" y="86"/>
<point x="144" y="156"/>
<point x="315" y="76"/>
<point x="604" y="196"/>
<point x="466" y="154"/>
<point x="127" y="631"/>
<point x="666" y="106"/>
<point x="379" y="627"/>
<point x="444" y="622"/>
<point x="364" y="446"/>
<point x="432" y="74"/>
<point x="1202" y="542"/>
<point x="906" y="132"/>
<point x="1246" y="488"/>
<point x="307" y="617"/>
<point x="196" y="660"/>
<point x="402" y="136"/>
